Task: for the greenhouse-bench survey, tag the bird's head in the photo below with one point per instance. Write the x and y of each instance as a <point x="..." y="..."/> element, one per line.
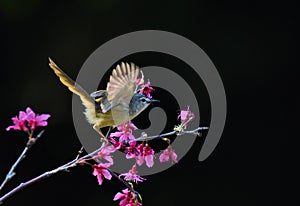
<point x="139" y="103"/>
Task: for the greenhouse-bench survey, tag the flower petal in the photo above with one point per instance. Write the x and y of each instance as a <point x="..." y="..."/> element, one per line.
<point x="42" y="124"/>
<point x="118" y="196"/>
<point x="42" y="117"/>
<point x="116" y="134"/>
<point x="100" y="179"/>
<point x="106" y="174"/>
<point x="132" y="125"/>
<point x="149" y="160"/>
<point x="124" y="202"/>
<point x="15" y="127"/>
<point x="22" y="115"/>
<point x="109" y="159"/>
<point x="174" y="156"/>
<point x="130" y="155"/>
<point x="29" y="110"/>
<point x="163" y="157"/>
<point x="139" y="160"/>
<point x="123" y="138"/>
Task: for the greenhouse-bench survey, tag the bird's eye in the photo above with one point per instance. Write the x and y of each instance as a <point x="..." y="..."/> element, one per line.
<point x="143" y="99"/>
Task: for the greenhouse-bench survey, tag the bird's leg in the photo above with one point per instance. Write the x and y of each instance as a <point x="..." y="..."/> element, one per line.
<point x="108" y="132"/>
<point x="97" y="128"/>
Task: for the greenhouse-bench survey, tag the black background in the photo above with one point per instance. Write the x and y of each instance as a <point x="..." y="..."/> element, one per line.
<point x="251" y="44"/>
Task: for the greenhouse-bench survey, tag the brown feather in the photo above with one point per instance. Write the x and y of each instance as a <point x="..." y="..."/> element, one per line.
<point x="121" y="85"/>
<point x="76" y="89"/>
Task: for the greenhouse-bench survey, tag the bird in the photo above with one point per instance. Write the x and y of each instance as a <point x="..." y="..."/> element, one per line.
<point x="120" y="102"/>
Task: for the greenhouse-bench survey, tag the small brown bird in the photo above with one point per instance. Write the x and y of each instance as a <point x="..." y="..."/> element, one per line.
<point x="119" y="103"/>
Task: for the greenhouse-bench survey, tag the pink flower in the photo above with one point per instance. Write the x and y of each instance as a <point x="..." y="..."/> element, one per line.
<point x="36" y="120"/>
<point x="105" y="152"/>
<point x="19" y="122"/>
<point x="28" y="120"/>
<point x="185" y="116"/>
<point x="146" y="89"/>
<point x="117" y="145"/>
<point x="132" y="151"/>
<point x="167" y="153"/>
<point x="125" y="132"/>
<point x="145" y="154"/>
<point x="101" y="169"/>
<point x="127" y="198"/>
<point x="132" y="175"/>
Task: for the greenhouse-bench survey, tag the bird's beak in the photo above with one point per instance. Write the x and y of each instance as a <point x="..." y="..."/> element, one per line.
<point x="152" y="100"/>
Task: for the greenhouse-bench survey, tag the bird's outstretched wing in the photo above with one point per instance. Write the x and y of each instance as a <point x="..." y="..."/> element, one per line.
<point x="121" y="86"/>
<point x="87" y="101"/>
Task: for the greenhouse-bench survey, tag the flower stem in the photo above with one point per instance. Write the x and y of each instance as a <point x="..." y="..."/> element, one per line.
<point x="12" y="172"/>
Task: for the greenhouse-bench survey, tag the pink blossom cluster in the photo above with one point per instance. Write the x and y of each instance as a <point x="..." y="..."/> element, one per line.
<point x="127" y="198"/>
<point x="145" y="89"/>
<point x="28" y="121"/>
<point x="124" y="139"/>
<point x="142" y="152"/>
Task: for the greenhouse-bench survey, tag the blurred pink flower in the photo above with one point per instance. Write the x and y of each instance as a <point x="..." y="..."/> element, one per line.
<point x="146" y="89"/>
<point x="132" y="175"/>
<point x="146" y="153"/>
<point x="101" y="169"/>
<point x="125" y="132"/>
<point x="185" y="116"/>
<point x="117" y="145"/>
<point x="105" y="152"/>
<point x="127" y="198"/>
<point x="28" y="120"/>
<point x="167" y="153"/>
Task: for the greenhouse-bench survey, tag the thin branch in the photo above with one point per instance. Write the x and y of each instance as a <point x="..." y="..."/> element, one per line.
<point x="124" y="182"/>
<point x="79" y="153"/>
<point x="195" y="131"/>
<point x="12" y="172"/>
<point x="64" y="167"/>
